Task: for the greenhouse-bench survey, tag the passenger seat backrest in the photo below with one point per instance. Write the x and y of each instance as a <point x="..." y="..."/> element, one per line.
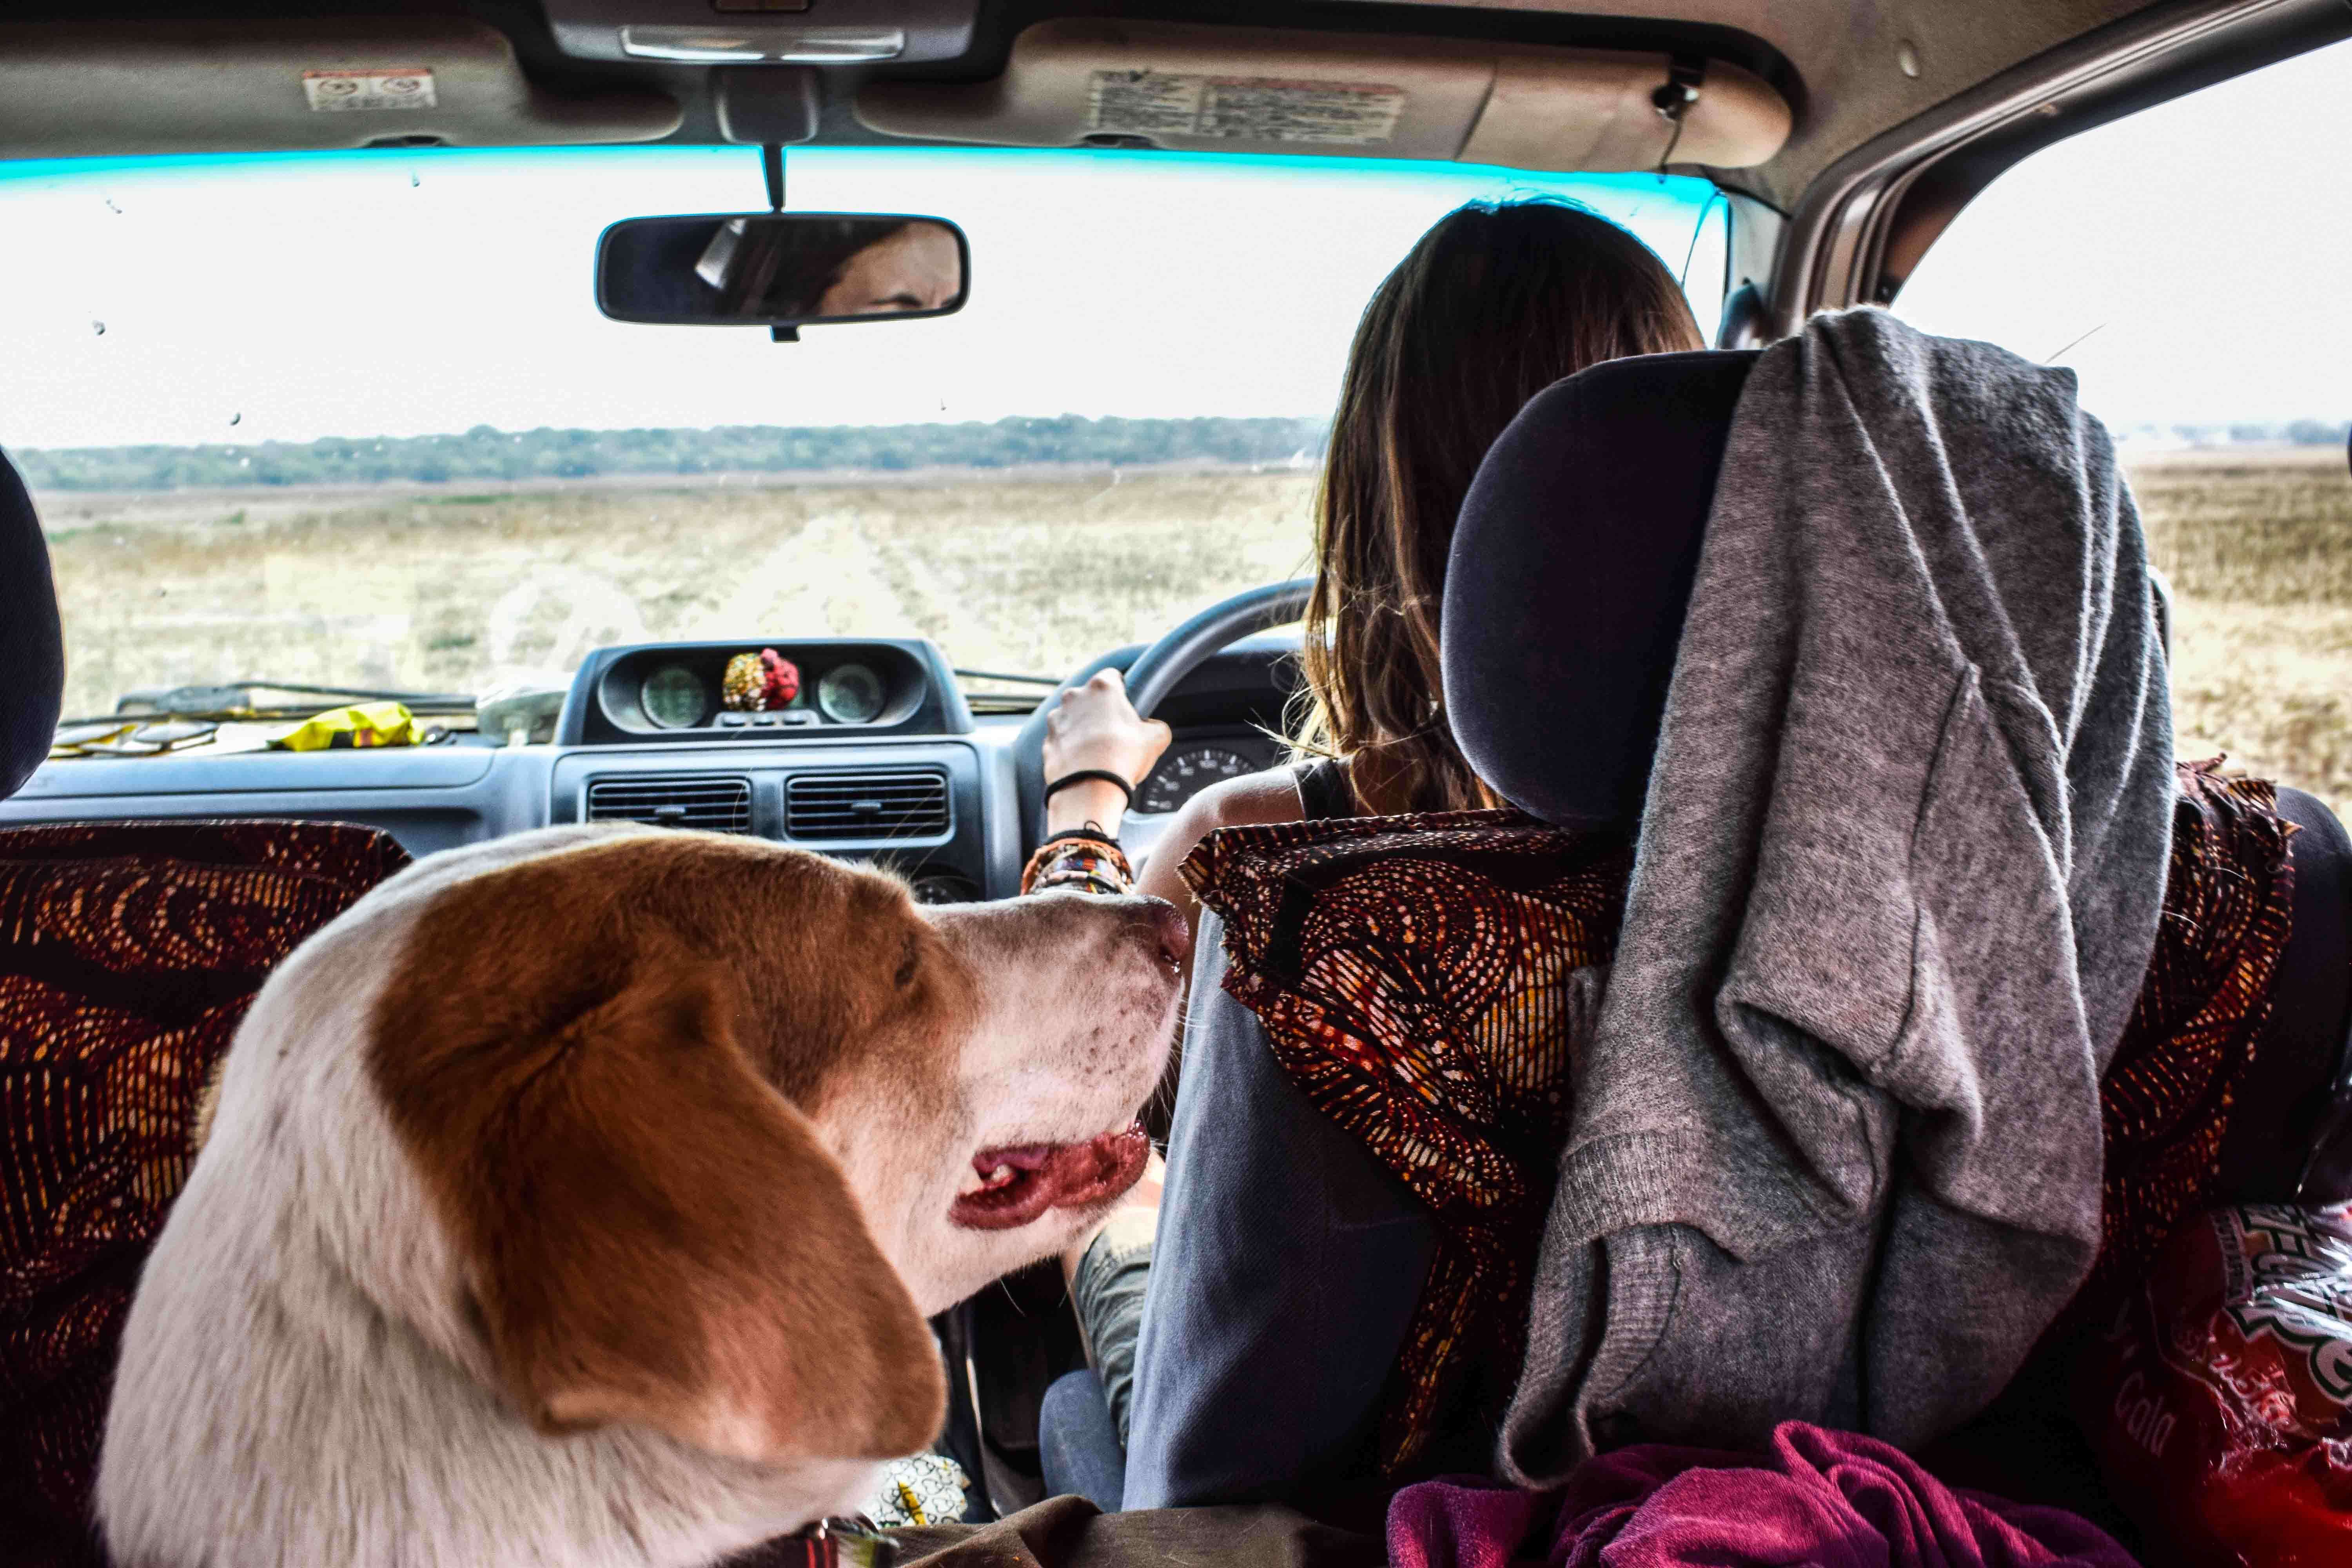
<point x="1566" y="590"/>
<point x="32" y="643"/>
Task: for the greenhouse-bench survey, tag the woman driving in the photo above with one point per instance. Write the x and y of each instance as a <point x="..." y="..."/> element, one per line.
<point x="1493" y="304"/>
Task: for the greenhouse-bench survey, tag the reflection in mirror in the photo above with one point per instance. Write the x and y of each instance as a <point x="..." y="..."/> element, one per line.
<point x="780" y="269"/>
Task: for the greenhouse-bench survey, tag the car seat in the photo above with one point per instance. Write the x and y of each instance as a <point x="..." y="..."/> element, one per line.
<point x="1570" y="571"/>
<point x="129" y="953"/>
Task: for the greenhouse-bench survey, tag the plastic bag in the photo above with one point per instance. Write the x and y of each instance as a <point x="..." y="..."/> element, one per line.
<point x="2219" y="1403"/>
<point x="361" y="724"/>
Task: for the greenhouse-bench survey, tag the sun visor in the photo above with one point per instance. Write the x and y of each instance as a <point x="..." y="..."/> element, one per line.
<point x="240" y="86"/>
<point x="1252" y="90"/>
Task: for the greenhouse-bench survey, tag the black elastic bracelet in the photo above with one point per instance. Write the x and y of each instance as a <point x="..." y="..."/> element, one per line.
<point x="1090" y="831"/>
<point x="1086" y="775"/>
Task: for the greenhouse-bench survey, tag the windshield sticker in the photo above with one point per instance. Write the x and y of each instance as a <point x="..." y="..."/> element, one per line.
<point x="394" y="87"/>
<point x="1242" y="108"/>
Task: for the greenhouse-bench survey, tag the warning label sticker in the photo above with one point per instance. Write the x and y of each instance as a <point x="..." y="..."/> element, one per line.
<point x="1242" y="108"/>
<point x="396" y="87"/>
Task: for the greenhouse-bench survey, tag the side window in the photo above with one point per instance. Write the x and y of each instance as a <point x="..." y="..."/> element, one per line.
<point x="2190" y="263"/>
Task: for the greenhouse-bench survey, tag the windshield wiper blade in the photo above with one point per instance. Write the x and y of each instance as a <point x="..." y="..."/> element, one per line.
<point x="373" y="695"/>
<point x="999" y="675"/>
<point x="237" y="694"/>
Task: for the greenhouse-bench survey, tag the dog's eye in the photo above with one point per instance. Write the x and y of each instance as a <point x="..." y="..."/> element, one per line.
<point x="905" y="975"/>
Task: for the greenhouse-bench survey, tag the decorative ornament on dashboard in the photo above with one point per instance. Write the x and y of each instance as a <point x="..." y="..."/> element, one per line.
<point x="758" y="682"/>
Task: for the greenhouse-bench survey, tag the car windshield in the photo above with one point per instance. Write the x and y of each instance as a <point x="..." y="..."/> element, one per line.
<point x="355" y="418"/>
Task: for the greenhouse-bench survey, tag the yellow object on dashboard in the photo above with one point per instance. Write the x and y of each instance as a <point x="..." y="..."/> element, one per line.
<point x="361" y="724"/>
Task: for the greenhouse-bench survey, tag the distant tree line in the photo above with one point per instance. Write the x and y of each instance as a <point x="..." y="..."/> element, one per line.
<point x="483" y="453"/>
<point x="2297" y="432"/>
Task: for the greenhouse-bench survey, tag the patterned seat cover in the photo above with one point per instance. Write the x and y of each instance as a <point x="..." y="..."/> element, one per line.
<point x="127" y="955"/>
<point x="1414" y="976"/>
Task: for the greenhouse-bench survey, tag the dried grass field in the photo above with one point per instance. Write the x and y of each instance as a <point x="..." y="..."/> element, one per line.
<point x="420" y="588"/>
<point x="434" y="588"/>
<point x="2257" y="546"/>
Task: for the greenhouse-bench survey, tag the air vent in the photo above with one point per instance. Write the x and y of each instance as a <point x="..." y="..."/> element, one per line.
<point x="719" y="805"/>
<point x="904" y="802"/>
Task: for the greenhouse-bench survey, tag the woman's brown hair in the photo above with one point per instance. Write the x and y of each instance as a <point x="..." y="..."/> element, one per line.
<point x="1495" y="303"/>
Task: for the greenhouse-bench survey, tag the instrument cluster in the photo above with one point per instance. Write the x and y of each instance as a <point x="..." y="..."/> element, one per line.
<point x="715" y="691"/>
<point x="1192" y="764"/>
<point x="677" y="696"/>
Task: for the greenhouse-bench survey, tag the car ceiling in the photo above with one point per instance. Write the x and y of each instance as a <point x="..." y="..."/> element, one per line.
<point x="1852" y="59"/>
<point x="1849" y="68"/>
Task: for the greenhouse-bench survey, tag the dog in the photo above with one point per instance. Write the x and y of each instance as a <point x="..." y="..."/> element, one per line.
<point x="578" y="1198"/>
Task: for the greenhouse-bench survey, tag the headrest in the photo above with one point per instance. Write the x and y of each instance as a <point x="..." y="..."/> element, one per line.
<point x="1571" y="570"/>
<point x="32" y="644"/>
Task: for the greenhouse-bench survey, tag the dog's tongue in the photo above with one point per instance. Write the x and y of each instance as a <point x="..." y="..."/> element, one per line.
<point x="1052" y="1176"/>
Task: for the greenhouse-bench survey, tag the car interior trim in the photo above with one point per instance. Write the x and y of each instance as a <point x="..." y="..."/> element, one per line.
<point x="1081" y="82"/>
<point x="1836" y="245"/>
<point x="1932" y="195"/>
<point x="70" y="91"/>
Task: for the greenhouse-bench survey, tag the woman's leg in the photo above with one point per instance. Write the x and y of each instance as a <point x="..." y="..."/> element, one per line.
<point x="1077" y="1448"/>
<point x="1287" y="1266"/>
<point x="1107" y="1274"/>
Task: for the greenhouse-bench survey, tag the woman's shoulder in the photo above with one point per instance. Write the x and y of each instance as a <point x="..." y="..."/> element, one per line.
<point x="1250" y="801"/>
<point x="1272" y="796"/>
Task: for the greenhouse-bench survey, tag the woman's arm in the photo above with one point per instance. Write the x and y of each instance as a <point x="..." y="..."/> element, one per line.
<point x="1094" y="728"/>
<point x="1245" y="802"/>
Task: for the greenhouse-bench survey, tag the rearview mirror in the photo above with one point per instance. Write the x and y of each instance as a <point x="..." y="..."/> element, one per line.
<point x="781" y="270"/>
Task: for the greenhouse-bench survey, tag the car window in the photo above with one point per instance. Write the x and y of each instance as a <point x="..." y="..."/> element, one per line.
<point x="2188" y="262"/>
<point x="355" y="418"/>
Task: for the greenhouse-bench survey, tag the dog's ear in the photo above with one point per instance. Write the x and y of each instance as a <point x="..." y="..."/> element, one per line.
<point x="655" y="1236"/>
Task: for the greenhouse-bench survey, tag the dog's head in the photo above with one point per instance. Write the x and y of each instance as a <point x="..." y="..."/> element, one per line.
<point x="711" y="1124"/>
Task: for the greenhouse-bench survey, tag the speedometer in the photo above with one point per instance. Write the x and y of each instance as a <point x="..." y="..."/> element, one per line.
<point x="850" y="694"/>
<point x="1186" y="772"/>
<point x="674" y="697"/>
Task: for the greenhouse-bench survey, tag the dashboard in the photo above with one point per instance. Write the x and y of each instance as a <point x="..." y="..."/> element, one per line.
<point x="862" y="749"/>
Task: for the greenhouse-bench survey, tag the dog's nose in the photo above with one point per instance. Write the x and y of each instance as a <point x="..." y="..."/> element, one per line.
<point x="1168" y="928"/>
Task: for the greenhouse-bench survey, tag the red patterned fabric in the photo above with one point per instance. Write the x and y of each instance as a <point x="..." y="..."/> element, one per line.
<point x="2229" y="909"/>
<point x="1421" y="978"/>
<point x="128" y="956"/>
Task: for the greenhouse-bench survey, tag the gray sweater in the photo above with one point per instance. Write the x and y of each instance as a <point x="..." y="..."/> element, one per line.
<point x="1836" y="1148"/>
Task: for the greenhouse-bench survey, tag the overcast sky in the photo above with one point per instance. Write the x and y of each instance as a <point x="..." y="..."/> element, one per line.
<point x="2190" y="262"/>
<point x="385" y="293"/>
<point x="2198" y="255"/>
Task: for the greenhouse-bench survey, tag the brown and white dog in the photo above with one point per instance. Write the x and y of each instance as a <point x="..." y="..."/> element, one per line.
<point x="578" y="1199"/>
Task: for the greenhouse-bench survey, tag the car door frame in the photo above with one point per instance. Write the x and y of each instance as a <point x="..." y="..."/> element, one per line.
<point x="1860" y="228"/>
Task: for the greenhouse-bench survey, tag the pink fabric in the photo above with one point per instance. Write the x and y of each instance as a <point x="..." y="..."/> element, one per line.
<point x="1824" y="1499"/>
<point x="1461" y="1522"/>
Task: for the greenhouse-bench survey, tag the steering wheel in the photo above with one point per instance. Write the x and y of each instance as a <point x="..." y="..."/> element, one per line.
<point x="1157" y="671"/>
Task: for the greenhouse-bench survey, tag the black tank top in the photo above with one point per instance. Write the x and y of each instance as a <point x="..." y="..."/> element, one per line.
<point x="1323" y="790"/>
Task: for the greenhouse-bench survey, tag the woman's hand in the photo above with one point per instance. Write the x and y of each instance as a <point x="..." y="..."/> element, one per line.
<point x="1095" y="726"/>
